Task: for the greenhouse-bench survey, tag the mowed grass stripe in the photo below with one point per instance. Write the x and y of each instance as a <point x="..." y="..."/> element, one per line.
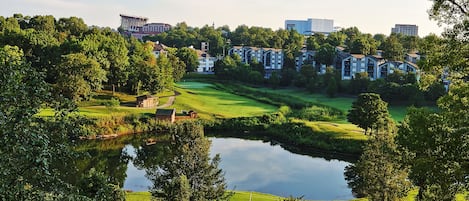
<point x="210" y="102"/>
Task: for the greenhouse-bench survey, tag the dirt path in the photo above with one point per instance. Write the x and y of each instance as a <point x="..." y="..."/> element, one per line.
<point x="171" y="100"/>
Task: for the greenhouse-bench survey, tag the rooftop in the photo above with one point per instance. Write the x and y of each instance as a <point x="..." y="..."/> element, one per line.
<point x="165" y="112"/>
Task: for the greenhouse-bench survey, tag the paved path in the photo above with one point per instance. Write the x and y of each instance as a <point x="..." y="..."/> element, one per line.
<point x="170" y="100"/>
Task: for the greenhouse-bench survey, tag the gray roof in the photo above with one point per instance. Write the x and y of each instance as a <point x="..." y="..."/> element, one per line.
<point x="165" y="112"/>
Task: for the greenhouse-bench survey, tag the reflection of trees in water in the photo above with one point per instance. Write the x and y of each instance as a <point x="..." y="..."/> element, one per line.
<point x="150" y="157"/>
<point x="379" y="174"/>
<point x="181" y="169"/>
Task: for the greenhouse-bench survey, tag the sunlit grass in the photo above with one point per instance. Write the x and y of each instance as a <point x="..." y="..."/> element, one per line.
<point x="210" y="102"/>
<point x="338" y="130"/>
<point x="237" y="196"/>
<point x="344" y="104"/>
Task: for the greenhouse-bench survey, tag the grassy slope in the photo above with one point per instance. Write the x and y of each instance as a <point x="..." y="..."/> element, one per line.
<point x="243" y="196"/>
<point x="209" y="102"/>
<point x="341" y="103"/>
<point x="238" y="196"/>
<point x="198" y="96"/>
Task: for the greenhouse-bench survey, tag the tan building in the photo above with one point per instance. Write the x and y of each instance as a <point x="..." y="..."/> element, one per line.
<point x="166" y="115"/>
<point x="132" y="23"/>
<point x="147" y="101"/>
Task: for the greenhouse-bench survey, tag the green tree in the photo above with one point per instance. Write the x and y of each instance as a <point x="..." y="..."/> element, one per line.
<point x="436" y="153"/>
<point x="336" y="39"/>
<point x="393" y="49"/>
<point x="95" y="185"/>
<point x="72" y="26"/>
<point x="367" y="110"/>
<point x="30" y="147"/>
<point x="274" y="80"/>
<point x="380" y="38"/>
<point x="363" y="44"/>
<point x="326" y="54"/>
<point x="311" y="43"/>
<point x="189" y="157"/>
<point x="117" y="55"/>
<point x="332" y="87"/>
<point x="189" y="57"/>
<point x="359" y="83"/>
<point x="164" y="74"/>
<point x="453" y="13"/>
<point x="378" y="174"/>
<point x="43" y="23"/>
<point x="79" y="76"/>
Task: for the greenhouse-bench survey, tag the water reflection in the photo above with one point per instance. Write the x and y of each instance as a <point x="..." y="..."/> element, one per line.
<point x="256" y="166"/>
<point x="135" y="176"/>
<point x="250" y="165"/>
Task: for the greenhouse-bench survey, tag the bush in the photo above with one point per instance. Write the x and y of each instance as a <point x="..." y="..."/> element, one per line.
<point x="111" y="104"/>
<point x="316" y="113"/>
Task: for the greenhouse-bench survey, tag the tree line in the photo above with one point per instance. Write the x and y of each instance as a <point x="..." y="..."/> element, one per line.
<point x="78" y="60"/>
<point x="429" y="149"/>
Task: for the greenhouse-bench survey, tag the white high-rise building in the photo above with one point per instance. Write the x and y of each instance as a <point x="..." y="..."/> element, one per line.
<point x="132" y="23"/>
<point x="310" y="26"/>
<point x="406" y="29"/>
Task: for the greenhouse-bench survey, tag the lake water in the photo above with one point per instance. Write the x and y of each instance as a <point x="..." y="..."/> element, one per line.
<point x="253" y="165"/>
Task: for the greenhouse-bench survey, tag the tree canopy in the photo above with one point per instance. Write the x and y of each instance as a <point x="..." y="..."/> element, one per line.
<point x="367" y="110"/>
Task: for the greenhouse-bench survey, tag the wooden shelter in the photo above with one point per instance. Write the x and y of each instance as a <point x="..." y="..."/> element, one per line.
<point x="147" y="101"/>
<point x="166" y="115"/>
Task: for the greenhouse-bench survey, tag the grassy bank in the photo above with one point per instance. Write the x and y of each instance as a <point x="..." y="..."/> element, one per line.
<point x="342" y="103"/>
<point x="237" y="196"/>
<point x="213" y="103"/>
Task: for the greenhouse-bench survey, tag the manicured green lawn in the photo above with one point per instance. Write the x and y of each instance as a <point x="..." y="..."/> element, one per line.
<point x="138" y="196"/>
<point x="198" y="96"/>
<point x="245" y="196"/>
<point x="237" y="196"/>
<point x="342" y="103"/>
<point x="339" y="130"/>
<point x="210" y="102"/>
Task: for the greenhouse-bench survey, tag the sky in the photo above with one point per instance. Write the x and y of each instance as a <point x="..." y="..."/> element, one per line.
<point x="370" y="16"/>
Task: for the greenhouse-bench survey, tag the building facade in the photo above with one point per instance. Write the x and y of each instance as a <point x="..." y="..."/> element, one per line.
<point x="310" y="26"/>
<point x="406" y="29"/>
<point x="138" y="27"/>
<point x="271" y="58"/>
<point x="132" y="23"/>
<point x="159" y="48"/>
<point x="359" y="63"/>
<point x="206" y="62"/>
<point x="375" y="66"/>
<point x="155" y="28"/>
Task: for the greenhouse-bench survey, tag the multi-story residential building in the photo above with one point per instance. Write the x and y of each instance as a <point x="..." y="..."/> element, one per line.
<point x="155" y="28"/>
<point x="412" y="57"/>
<point x="310" y="26"/>
<point x="132" y="23"/>
<point x="390" y="67"/>
<point x="359" y="63"/>
<point x="138" y="26"/>
<point x="306" y="57"/>
<point x="375" y="66"/>
<point x="150" y="29"/>
<point x="206" y="62"/>
<point x="271" y="58"/>
<point x="406" y="29"/>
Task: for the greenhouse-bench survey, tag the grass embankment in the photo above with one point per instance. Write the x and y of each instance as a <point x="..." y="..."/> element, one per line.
<point x="244" y="196"/>
<point x="213" y="103"/>
<point x="342" y="103"/>
<point x="237" y="196"/>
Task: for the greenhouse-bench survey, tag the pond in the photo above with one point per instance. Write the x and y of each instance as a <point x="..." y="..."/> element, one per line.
<point x="254" y="165"/>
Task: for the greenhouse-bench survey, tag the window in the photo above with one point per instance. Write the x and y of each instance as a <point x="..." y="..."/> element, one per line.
<point x="347" y="68"/>
<point x="384" y="71"/>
